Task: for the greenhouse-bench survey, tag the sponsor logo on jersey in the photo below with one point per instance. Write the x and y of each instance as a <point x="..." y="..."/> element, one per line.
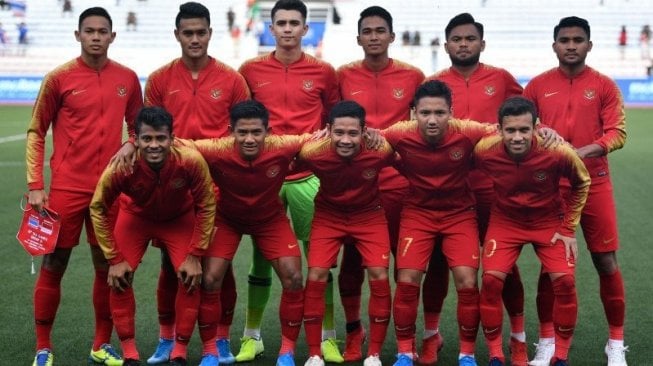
<point x="369" y="173"/>
<point x="307" y="84"/>
<point x="456" y="153"/>
<point x="540" y="175"/>
<point x="178" y="183"/>
<point x="273" y="171"/>
<point x="216" y="93"/>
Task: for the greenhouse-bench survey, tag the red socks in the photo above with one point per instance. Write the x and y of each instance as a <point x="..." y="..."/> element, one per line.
<point x="47" y="295"/>
<point x="492" y="313"/>
<point x="468" y="318"/>
<point x="166" y="293"/>
<point x="379" y="313"/>
<point x="103" y="322"/>
<point x="404" y="312"/>
<point x="314" y="308"/>
<point x="614" y="303"/>
<point x="565" y="311"/>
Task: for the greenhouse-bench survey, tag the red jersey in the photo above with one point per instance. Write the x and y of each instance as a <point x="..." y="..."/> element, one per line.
<point x="200" y="107"/>
<point x="479" y="97"/>
<point x="182" y="184"/>
<point x="386" y="96"/>
<point x="585" y="109"/>
<point x="87" y="109"/>
<point x="528" y="190"/>
<point x="346" y="185"/>
<point x="249" y="189"/>
<point x="437" y="174"/>
<point x="298" y="96"/>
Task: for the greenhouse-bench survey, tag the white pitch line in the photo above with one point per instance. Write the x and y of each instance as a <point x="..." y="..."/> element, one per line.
<point x="12" y="138"/>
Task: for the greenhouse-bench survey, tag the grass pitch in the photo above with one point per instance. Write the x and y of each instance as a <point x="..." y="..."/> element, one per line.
<point x="73" y="331"/>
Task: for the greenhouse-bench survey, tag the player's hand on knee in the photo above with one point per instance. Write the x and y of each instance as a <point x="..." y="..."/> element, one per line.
<point x="570" y="243"/>
<point x="120" y="276"/>
<point x="190" y="272"/>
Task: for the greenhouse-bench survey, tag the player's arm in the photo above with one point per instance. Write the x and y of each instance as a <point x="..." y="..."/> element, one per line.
<point x="513" y="87"/>
<point x="330" y="94"/>
<point x="201" y="187"/>
<point x="106" y="192"/>
<point x="550" y="137"/>
<point x="574" y="170"/>
<point x="126" y="156"/>
<point x="613" y="120"/>
<point x="153" y="90"/>
<point x="240" y="90"/>
<point x="44" y="112"/>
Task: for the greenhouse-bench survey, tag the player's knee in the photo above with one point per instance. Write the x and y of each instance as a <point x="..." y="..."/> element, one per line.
<point x="292" y="280"/>
<point x="465" y="279"/>
<point x="211" y="281"/>
<point x="605" y="263"/>
<point x="377" y="273"/>
<point x="564" y="285"/>
<point x="57" y="261"/>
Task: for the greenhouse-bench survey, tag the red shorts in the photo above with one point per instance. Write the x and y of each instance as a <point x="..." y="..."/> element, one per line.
<point x="484" y="198"/>
<point x="506" y="238"/>
<point x="216" y="190"/>
<point x="419" y="230"/>
<point x="392" y="202"/>
<point x="274" y="238"/>
<point x="367" y="230"/>
<point x="133" y="233"/>
<point x="599" y="219"/>
<point x="72" y="208"/>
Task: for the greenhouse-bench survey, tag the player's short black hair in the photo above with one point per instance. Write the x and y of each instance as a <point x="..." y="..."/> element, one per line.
<point x="569" y="22"/>
<point x="249" y="109"/>
<point x="375" y="11"/>
<point x="290" y="5"/>
<point x="191" y="10"/>
<point x="516" y="106"/>
<point x="94" y="11"/>
<point x="347" y="108"/>
<point x="433" y="88"/>
<point x="155" y="117"/>
<point x="462" y="19"/>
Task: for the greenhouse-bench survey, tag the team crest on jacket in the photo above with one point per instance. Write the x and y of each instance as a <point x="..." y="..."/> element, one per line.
<point x="369" y="173"/>
<point x="273" y="171"/>
<point x="216" y="93"/>
<point x="456" y="153"/>
<point x="490" y="90"/>
<point x="121" y="90"/>
<point x="398" y="93"/>
<point x="177" y="183"/>
<point x="540" y="175"/>
<point x="589" y="94"/>
<point x="307" y="84"/>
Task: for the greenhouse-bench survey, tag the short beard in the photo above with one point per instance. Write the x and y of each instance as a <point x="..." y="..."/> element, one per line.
<point x="465" y="62"/>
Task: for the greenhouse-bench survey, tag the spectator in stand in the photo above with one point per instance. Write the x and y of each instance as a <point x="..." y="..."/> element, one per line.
<point x="67" y="8"/>
<point x="132" y="21"/>
<point x="645" y="42"/>
<point x="623" y="41"/>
